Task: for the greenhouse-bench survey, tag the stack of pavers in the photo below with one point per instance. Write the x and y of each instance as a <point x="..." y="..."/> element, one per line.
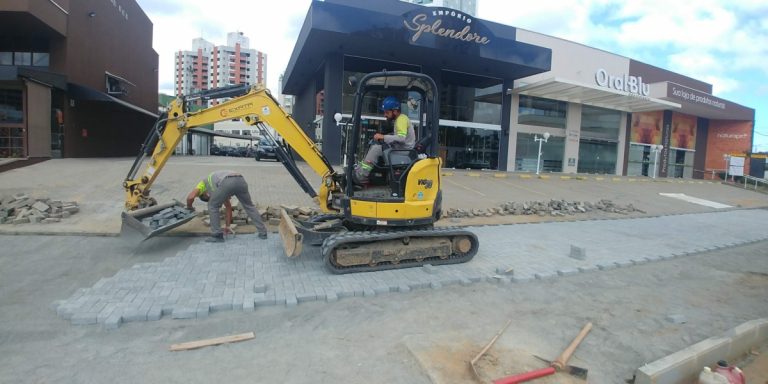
<point x="21" y="209"/>
<point x="166" y="217"/>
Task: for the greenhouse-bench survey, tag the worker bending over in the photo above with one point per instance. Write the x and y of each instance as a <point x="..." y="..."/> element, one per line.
<point x="216" y="190"/>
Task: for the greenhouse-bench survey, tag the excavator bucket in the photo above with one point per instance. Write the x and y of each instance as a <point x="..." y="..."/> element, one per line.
<point x="292" y="239"/>
<point x="152" y="221"/>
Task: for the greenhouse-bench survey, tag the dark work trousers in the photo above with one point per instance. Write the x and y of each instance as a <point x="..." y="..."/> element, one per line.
<point x="233" y="186"/>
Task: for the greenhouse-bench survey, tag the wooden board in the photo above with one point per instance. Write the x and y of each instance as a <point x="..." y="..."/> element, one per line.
<point x="209" y="342"/>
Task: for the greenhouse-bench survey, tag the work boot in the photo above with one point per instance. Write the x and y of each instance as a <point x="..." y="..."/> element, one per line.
<point x="215" y="238"/>
<point x="360" y="177"/>
<point x="262" y="235"/>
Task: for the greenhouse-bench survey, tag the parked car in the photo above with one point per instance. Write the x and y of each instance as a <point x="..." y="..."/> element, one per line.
<point x="265" y="150"/>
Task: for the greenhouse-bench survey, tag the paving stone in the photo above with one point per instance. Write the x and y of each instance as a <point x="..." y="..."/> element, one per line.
<point x="545" y="275"/>
<point x="522" y="279"/>
<point x="429" y="268"/>
<point x="113" y="321"/>
<point x="84" y="318"/>
<point x="304" y="297"/>
<point x="623" y="263"/>
<point x="567" y="271"/>
<point x="403" y="289"/>
<point x="607" y="266"/>
<point x="291" y="301"/>
<point x="588" y="268"/>
<point x="184" y="313"/>
<point x="331" y="297"/>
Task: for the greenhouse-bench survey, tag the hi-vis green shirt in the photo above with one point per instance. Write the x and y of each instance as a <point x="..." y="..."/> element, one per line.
<point x="404" y="137"/>
<point x="212" y="182"/>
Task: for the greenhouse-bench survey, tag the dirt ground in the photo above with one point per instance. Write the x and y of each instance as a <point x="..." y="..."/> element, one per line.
<point x="425" y="336"/>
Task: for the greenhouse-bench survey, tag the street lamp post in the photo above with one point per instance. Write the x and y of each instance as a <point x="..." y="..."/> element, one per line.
<point x="656" y="150"/>
<point x="540" y="140"/>
<point x="727" y="166"/>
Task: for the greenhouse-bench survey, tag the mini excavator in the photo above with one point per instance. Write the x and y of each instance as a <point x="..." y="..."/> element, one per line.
<point x="388" y="224"/>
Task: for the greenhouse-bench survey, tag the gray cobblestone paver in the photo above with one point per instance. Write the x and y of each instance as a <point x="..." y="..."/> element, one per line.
<point x="245" y="273"/>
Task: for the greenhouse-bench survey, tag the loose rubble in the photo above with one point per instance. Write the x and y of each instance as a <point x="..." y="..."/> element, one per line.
<point x="270" y="215"/>
<point x="544" y="208"/>
<point x="22" y="209"/>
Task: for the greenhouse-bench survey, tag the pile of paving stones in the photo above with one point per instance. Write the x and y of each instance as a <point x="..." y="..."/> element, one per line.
<point x="21" y="209"/>
<point x="167" y="216"/>
<point x="270" y="215"/>
<point x="544" y="208"/>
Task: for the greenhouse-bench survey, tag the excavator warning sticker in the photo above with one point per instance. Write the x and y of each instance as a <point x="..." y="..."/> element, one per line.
<point x="420" y="195"/>
<point x="265" y="110"/>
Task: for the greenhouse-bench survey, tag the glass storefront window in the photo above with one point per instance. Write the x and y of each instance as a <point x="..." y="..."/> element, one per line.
<point x="600" y="122"/>
<point x="6" y="58"/>
<point x="464" y="147"/>
<point x="460" y="103"/>
<point x="40" y="59"/>
<point x="680" y="164"/>
<point x="597" y="157"/>
<point x="11" y="106"/>
<point x="527" y="150"/>
<point x="542" y="112"/>
<point x="22" y="58"/>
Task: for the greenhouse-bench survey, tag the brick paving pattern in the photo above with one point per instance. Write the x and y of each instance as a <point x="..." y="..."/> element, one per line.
<point x="246" y="273"/>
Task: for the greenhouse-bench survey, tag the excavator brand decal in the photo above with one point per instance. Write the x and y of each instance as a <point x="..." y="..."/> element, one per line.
<point x="427" y="183"/>
<point x="224" y="112"/>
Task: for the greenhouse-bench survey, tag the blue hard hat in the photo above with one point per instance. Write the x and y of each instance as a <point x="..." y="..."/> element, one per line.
<point x="389" y="103"/>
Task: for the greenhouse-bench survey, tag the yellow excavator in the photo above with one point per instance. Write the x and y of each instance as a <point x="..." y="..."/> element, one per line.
<point x="386" y="225"/>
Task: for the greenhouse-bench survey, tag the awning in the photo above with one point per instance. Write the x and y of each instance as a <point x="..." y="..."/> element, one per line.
<point x="571" y="91"/>
<point x="80" y="92"/>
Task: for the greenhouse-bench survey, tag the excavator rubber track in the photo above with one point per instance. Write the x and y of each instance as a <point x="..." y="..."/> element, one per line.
<point x="369" y="251"/>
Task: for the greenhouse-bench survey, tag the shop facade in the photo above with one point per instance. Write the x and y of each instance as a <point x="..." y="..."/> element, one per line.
<point x="502" y="88"/>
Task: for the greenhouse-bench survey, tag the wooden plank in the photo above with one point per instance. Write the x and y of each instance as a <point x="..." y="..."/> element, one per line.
<point x="209" y="342"/>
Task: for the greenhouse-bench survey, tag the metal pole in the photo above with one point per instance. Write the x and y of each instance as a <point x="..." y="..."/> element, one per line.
<point x="655" y="160"/>
<point x="538" y="159"/>
<point x="727" y="163"/>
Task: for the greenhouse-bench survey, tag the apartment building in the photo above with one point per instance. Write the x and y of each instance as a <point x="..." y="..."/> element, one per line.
<point x="209" y="66"/>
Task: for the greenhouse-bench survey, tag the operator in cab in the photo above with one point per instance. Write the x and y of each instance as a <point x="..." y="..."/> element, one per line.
<point x="403" y="137"/>
<point x="216" y="190"/>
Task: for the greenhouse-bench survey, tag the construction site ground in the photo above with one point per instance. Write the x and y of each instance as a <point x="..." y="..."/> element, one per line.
<point x="672" y="275"/>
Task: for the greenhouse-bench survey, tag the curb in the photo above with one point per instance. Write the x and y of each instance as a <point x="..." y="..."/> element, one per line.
<point x="685" y="365"/>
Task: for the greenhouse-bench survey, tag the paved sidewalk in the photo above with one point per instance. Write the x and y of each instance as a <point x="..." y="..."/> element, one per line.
<point x="245" y="273"/>
<point x="96" y="184"/>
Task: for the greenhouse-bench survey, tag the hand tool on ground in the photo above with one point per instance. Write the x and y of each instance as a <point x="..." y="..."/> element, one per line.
<point x="558" y="365"/>
<point x="487" y="347"/>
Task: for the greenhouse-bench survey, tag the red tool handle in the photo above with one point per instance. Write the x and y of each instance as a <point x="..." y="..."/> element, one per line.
<point x="522" y="377"/>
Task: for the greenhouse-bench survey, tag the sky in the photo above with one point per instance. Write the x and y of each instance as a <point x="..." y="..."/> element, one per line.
<point x="724" y="43"/>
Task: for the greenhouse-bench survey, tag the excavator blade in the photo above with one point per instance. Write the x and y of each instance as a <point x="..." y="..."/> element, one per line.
<point x="152" y="221"/>
<point x="292" y="239"/>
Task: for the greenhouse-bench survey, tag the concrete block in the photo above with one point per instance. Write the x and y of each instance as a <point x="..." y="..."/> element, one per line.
<point x="578" y="253"/>
<point x="676" y="368"/>
<point x="435" y="285"/>
<point x="40" y="206"/>
<point x="248" y="304"/>
<point x="22" y="220"/>
<point x="134" y="314"/>
<point x="567" y="271"/>
<point x="465" y="282"/>
<point x="303" y="297"/>
<point x="202" y="310"/>
<point x="113" y="321"/>
<point x="51" y="220"/>
<point x="639" y="261"/>
<point x="259" y="288"/>
<point x="155" y="313"/>
<point x="545" y="275"/>
<point x="744" y="337"/>
<point x="291" y="301"/>
<point x="607" y="266"/>
<point x="623" y="263"/>
<point x="331" y="297"/>
<point x="429" y="268"/>
<point x="84" y="318"/>
<point x="381" y="290"/>
<point x="505" y="270"/>
<point x="403" y="289"/>
<point x="184" y="313"/>
<point x="588" y="268"/>
<point x="712" y="350"/>
<point x="368" y="292"/>
<point x="221" y="304"/>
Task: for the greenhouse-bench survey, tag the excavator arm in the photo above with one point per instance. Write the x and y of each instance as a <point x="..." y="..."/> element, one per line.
<point x="256" y="107"/>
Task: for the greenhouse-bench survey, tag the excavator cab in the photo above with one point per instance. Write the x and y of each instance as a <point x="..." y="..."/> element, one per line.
<point x="418" y="101"/>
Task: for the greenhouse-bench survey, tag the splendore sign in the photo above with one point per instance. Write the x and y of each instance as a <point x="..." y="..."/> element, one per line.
<point x="439" y="26"/>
